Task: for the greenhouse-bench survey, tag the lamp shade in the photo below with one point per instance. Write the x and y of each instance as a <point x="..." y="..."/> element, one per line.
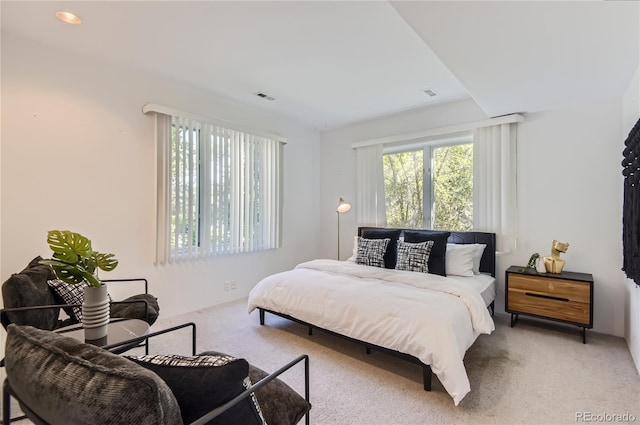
<point x="343" y="206"/>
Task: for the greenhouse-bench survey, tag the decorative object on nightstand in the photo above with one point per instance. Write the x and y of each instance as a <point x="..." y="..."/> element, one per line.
<point x="532" y="264"/>
<point x="342" y="208"/>
<point x="564" y="297"/>
<point x="554" y="263"/>
<point x="75" y="263"/>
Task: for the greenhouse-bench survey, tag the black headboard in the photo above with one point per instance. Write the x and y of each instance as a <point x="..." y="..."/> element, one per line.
<point x="488" y="261"/>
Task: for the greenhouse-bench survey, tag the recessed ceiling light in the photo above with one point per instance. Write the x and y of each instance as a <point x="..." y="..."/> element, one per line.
<point x="68" y="17"/>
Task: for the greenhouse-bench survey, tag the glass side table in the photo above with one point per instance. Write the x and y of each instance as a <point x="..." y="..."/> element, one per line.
<point x="120" y="331"/>
<point x="125" y="334"/>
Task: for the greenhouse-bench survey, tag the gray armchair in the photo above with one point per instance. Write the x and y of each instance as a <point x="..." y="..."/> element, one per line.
<point x="58" y="380"/>
<point x="29" y="288"/>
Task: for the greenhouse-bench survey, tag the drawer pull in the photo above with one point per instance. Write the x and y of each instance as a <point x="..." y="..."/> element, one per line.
<point x="549" y="297"/>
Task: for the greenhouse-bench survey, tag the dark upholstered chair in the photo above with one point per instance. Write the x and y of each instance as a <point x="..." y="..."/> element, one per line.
<point x="29" y="288"/>
<point x="58" y="380"/>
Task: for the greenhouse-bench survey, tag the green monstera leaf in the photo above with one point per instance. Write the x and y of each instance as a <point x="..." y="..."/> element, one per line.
<point x="71" y="273"/>
<point x="106" y="262"/>
<point x="74" y="261"/>
<point x="69" y="246"/>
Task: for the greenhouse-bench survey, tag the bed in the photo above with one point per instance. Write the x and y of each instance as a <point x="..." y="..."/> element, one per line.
<point x="427" y="318"/>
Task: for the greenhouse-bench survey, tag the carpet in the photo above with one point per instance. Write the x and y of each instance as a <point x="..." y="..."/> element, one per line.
<point x="538" y="372"/>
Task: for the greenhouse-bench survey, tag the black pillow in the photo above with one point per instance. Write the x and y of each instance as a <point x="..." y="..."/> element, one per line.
<point x="202" y="383"/>
<point x="280" y="404"/>
<point x="438" y="250"/>
<point x="392" y="247"/>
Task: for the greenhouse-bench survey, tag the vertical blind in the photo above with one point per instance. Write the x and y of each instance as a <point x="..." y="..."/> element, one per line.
<point x="494" y="183"/>
<point x="370" y="204"/>
<point x="219" y="190"/>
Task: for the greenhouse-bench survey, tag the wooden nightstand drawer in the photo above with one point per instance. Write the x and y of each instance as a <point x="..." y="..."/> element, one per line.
<point x="565" y="297"/>
<point x="556" y="288"/>
<point x="558" y="308"/>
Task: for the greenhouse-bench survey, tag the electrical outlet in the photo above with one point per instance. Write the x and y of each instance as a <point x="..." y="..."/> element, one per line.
<point x="226" y="285"/>
<point x="234" y="284"/>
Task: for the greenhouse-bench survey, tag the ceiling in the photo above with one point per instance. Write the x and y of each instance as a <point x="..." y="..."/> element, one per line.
<point x="328" y="64"/>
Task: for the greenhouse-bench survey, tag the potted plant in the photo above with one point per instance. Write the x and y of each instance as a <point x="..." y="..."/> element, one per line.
<point x="75" y="262"/>
<point x="532" y="265"/>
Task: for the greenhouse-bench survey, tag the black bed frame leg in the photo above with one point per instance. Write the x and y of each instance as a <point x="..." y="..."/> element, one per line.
<point x="261" y="316"/>
<point x="368" y="349"/>
<point x="426" y="376"/>
<point x="310" y="331"/>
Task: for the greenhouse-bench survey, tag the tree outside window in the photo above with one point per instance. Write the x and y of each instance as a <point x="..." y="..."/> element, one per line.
<point x="438" y="196"/>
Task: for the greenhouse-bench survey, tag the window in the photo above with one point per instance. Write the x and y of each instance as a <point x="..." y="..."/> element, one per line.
<point x="488" y="161"/>
<point x="430" y="187"/>
<point x="219" y="190"/>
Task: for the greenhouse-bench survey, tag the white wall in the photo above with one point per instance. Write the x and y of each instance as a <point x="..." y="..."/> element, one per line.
<point x="78" y="154"/>
<point x="569" y="189"/>
<point x="631" y="114"/>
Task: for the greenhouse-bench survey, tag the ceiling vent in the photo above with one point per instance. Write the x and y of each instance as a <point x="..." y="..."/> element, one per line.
<point x="430" y="92"/>
<point x="264" y="96"/>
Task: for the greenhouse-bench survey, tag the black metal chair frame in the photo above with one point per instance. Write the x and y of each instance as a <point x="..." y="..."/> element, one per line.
<point x="115" y="348"/>
<point x="135" y="279"/>
<point x="5" y="320"/>
<point x="7" y="391"/>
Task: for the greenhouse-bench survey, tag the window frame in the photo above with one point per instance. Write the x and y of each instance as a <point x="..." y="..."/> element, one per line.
<point x="428" y="148"/>
<point x="252" y="165"/>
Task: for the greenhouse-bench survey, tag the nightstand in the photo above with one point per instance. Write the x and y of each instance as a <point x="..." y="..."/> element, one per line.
<point x="566" y="297"/>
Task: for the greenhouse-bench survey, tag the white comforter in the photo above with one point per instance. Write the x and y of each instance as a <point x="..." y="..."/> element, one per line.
<point x="431" y="317"/>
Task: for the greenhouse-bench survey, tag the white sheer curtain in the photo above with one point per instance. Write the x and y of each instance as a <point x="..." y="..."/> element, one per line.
<point x="163" y="215"/>
<point x="370" y="205"/>
<point x="494" y="183"/>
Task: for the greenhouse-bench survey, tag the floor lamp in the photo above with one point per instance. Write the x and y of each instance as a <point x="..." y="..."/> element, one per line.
<point x="343" y="207"/>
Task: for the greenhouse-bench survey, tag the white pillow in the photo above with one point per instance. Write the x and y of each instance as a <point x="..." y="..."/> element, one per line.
<point x="459" y="259"/>
<point x="478" y="256"/>
<point x="354" y="254"/>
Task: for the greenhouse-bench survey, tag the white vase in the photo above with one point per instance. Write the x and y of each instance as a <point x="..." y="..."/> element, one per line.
<point x="95" y="312"/>
<point x="540" y="266"/>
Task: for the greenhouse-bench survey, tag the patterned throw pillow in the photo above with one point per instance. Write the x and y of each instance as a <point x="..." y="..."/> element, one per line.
<point x="437" y="257"/>
<point x="69" y="294"/>
<point x="414" y="257"/>
<point x="202" y="383"/>
<point x="382" y="233"/>
<point x="371" y="251"/>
